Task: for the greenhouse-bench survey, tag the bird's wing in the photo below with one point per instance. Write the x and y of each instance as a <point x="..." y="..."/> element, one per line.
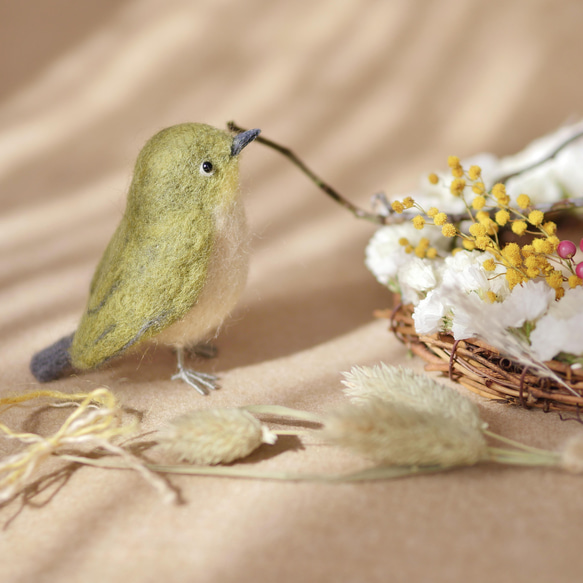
<point x="141" y="286"/>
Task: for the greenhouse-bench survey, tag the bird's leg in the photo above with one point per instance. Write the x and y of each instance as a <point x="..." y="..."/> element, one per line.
<point x="203" y="349"/>
<point x="200" y="381"/>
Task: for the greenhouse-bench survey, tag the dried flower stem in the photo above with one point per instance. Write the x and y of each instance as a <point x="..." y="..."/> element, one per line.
<point x="516" y="444"/>
<point x="501" y="456"/>
<point x="281" y="411"/>
<point x="289" y="431"/>
<point x="524" y="455"/>
<point x="520" y="458"/>
<point x="369" y="474"/>
<point x="376" y="473"/>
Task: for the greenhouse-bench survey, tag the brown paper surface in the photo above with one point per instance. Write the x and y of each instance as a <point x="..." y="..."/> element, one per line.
<point x="371" y="95"/>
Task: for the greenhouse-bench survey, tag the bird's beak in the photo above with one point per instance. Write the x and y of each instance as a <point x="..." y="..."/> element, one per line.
<point x="242" y="139"/>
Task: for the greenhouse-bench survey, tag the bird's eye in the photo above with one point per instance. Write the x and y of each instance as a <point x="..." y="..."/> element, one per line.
<point x="206" y="168"/>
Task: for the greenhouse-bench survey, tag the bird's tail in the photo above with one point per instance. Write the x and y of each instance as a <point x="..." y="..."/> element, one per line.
<point x="53" y="362"/>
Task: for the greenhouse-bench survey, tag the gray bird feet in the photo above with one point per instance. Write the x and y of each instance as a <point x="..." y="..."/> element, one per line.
<point x="204" y="350"/>
<point x="201" y="381"/>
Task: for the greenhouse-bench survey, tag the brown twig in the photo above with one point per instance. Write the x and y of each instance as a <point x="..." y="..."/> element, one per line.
<point x="324" y="186"/>
<point x="521" y="388"/>
<point x="452" y="359"/>
<point x="393" y="218"/>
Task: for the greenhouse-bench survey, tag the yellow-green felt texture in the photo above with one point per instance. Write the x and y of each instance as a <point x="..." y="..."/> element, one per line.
<point x="155" y="266"/>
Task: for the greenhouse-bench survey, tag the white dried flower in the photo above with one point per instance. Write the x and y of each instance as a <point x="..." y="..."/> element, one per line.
<point x="417" y="391"/>
<point x="468" y="318"/>
<point x="552" y="336"/>
<point x="526" y="303"/>
<point x="395" y="433"/>
<point x="569" y="305"/>
<point x="465" y="270"/>
<point x="384" y="253"/>
<point x="429" y="313"/>
<point x="557" y="178"/>
<point x="214" y="436"/>
<point x="572" y="455"/>
<point x="561" y="329"/>
<point x="416" y="278"/>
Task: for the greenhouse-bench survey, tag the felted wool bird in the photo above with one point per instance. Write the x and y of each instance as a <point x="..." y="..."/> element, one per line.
<point x="176" y="264"/>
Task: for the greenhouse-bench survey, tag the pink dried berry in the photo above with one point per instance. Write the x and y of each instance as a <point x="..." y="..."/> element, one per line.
<point x="581" y="245"/>
<point x="566" y="249"/>
<point x="579" y="270"/>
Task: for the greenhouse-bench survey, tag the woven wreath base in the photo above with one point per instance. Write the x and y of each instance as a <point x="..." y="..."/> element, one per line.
<point x="482" y="369"/>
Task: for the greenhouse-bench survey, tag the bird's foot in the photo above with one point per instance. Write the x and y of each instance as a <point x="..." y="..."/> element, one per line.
<point x="200" y="381"/>
<point x="204" y="350"/>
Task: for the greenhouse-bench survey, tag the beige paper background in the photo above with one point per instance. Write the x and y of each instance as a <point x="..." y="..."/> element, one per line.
<point x="372" y="95"/>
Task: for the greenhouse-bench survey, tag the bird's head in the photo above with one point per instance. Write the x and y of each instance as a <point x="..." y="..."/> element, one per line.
<point x="187" y="166"/>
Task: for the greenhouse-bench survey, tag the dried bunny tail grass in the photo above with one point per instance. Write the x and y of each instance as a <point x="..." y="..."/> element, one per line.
<point x="572" y="455"/>
<point x="95" y="422"/>
<point x="399" y="385"/>
<point x="214" y="436"/>
<point x="394" y="433"/>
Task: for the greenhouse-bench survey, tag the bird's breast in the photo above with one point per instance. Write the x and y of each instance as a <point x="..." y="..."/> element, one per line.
<point x="225" y="280"/>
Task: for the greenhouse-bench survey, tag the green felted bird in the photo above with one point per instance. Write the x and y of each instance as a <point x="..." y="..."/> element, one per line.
<point x="177" y="262"/>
